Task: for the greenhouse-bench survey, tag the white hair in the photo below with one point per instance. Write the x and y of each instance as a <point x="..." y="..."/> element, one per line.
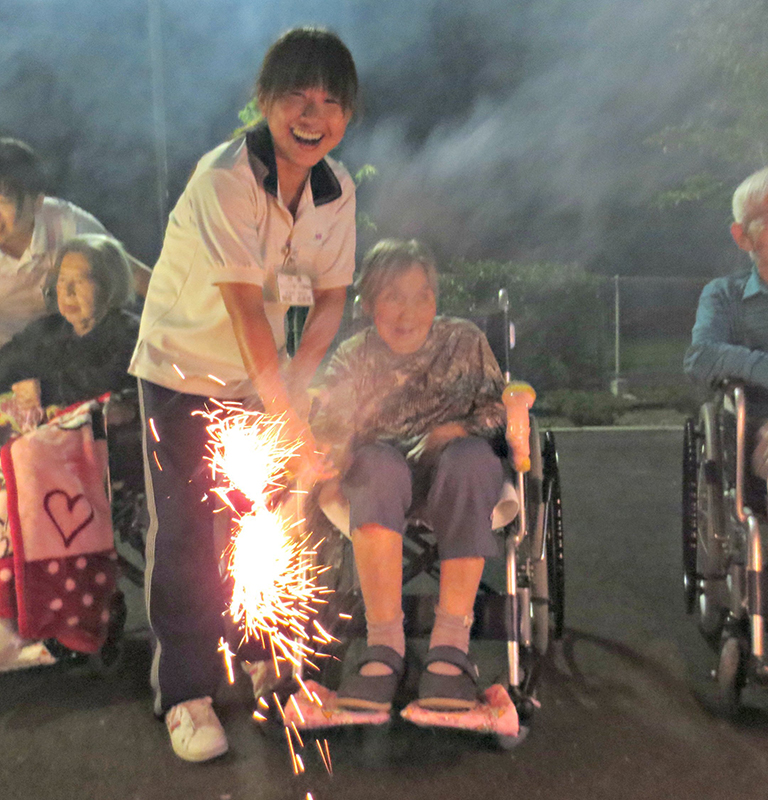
<point x="750" y="194"/>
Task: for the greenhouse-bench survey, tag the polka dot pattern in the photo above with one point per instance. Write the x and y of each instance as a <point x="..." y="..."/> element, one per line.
<point x="68" y="599"/>
<point x="7" y="589"/>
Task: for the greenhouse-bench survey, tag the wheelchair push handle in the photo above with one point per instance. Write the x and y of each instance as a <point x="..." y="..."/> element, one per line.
<point x="518" y="397"/>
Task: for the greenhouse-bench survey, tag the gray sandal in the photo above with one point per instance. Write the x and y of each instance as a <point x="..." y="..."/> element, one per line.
<point x="372" y="692"/>
<point x="448" y="692"/>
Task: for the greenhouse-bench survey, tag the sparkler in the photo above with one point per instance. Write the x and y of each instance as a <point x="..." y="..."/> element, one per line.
<point x="275" y="592"/>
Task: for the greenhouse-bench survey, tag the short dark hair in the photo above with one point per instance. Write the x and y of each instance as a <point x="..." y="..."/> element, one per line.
<point x="21" y="172"/>
<point x="308" y="57"/>
<point x="389" y="258"/>
<point x="110" y="271"/>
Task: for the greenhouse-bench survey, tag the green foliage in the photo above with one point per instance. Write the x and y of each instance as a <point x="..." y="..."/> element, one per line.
<point x="727" y="39"/>
<point x="365" y="174"/>
<point x="583" y="408"/>
<point x="683" y="396"/>
<point x="696" y="188"/>
<point x="559" y="312"/>
<point x="249" y="115"/>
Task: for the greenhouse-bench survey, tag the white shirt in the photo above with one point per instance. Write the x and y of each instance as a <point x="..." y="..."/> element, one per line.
<point x="230" y="227"/>
<point x="22" y="279"/>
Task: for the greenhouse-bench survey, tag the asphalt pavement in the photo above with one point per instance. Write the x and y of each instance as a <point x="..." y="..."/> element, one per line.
<point x="627" y="703"/>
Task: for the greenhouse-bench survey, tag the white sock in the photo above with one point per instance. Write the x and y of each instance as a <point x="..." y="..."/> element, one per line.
<point x="388" y="633"/>
<point x="451" y="630"/>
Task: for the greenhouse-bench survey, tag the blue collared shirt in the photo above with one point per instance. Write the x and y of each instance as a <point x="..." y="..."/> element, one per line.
<point x="730" y="336"/>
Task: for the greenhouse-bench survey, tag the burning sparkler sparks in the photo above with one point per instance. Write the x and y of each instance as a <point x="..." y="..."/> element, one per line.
<point x="275" y="592"/>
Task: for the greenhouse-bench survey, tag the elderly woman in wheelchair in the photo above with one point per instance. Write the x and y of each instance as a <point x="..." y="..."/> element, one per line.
<point x="54" y="506"/>
<point x="412" y="415"/>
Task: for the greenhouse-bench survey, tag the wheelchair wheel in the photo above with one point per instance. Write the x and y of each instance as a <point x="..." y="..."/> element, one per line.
<point x="545" y="519"/>
<point x="731" y="674"/>
<point x="108" y="658"/>
<point x="554" y="532"/>
<point x="710" y="567"/>
<point x="690" y="514"/>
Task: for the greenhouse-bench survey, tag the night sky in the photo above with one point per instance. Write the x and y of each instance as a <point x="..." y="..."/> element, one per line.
<point x="509" y="130"/>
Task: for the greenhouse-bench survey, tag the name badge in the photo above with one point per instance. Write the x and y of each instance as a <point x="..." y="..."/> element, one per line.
<point x="295" y="290"/>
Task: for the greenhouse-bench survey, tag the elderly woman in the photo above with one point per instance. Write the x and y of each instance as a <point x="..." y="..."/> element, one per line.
<point x="83" y="347"/>
<point x="412" y="417"/>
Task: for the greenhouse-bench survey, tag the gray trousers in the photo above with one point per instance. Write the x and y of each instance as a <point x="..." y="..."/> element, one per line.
<point x="463" y="488"/>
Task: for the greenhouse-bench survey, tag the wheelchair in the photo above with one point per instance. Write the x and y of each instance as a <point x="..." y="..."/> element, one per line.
<point x="524" y="607"/>
<point x="723" y="525"/>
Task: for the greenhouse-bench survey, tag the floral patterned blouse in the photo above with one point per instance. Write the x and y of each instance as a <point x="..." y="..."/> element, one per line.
<point x="369" y="393"/>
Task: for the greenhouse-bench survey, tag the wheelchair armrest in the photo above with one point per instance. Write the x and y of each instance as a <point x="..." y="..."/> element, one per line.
<point x="731" y="399"/>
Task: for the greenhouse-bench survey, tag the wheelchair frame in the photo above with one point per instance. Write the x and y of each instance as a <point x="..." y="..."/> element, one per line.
<point x="723" y="577"/>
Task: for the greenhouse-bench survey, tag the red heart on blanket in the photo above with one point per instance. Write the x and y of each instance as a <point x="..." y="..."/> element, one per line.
<point x="69" y="514"/>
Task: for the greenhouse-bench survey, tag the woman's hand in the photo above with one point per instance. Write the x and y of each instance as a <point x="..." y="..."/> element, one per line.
<point x="27" y="396"/>
<point x="434" y="441"/>
<point x="307" y="465"/>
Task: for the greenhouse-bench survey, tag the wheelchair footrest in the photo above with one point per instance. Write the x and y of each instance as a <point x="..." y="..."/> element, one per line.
<point x="317" y="708"/>
<point x="494" y="714"/>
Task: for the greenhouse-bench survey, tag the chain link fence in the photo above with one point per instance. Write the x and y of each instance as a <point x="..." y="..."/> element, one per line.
<point x="651" y="325"/>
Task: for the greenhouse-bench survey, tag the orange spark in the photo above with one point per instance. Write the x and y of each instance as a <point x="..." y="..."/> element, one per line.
<point x="228" y="656"/>
<point x="154" y="429"/>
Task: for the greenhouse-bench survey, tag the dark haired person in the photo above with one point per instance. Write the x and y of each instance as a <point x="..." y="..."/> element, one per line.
<point x="267" y="221"/>
<point x="32" y="228"/>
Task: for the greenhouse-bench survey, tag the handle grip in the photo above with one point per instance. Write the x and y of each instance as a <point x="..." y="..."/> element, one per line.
<point x="518" y="397"/>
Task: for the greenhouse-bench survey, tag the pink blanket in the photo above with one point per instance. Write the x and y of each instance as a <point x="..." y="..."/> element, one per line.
<point x="61" y="577"/>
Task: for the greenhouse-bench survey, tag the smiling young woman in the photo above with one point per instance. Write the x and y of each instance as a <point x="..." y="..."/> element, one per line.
<point x="266" y="222"/>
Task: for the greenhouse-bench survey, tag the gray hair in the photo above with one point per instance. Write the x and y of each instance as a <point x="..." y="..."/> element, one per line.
<point x="750" y="193"/>
<point x="389" y="258"/>
<point x="110" y="271"/>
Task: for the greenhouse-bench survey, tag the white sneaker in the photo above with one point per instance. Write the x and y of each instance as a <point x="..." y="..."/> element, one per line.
<point x="263" y="677"/>
<point x="196" y="733"/>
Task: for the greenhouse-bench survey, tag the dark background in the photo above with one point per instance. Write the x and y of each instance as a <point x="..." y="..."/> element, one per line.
<point x="507" y="130"/>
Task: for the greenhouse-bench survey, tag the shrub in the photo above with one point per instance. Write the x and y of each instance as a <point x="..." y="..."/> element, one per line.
<point x="559" y="313"/>
<point x="582" y="407"/>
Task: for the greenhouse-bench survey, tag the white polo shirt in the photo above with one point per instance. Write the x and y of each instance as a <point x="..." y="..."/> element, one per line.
<point x="22" y="279"/>
<point x="231" y="226"/>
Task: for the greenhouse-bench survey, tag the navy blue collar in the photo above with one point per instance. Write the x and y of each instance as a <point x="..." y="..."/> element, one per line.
<point x="261" y="155"/>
